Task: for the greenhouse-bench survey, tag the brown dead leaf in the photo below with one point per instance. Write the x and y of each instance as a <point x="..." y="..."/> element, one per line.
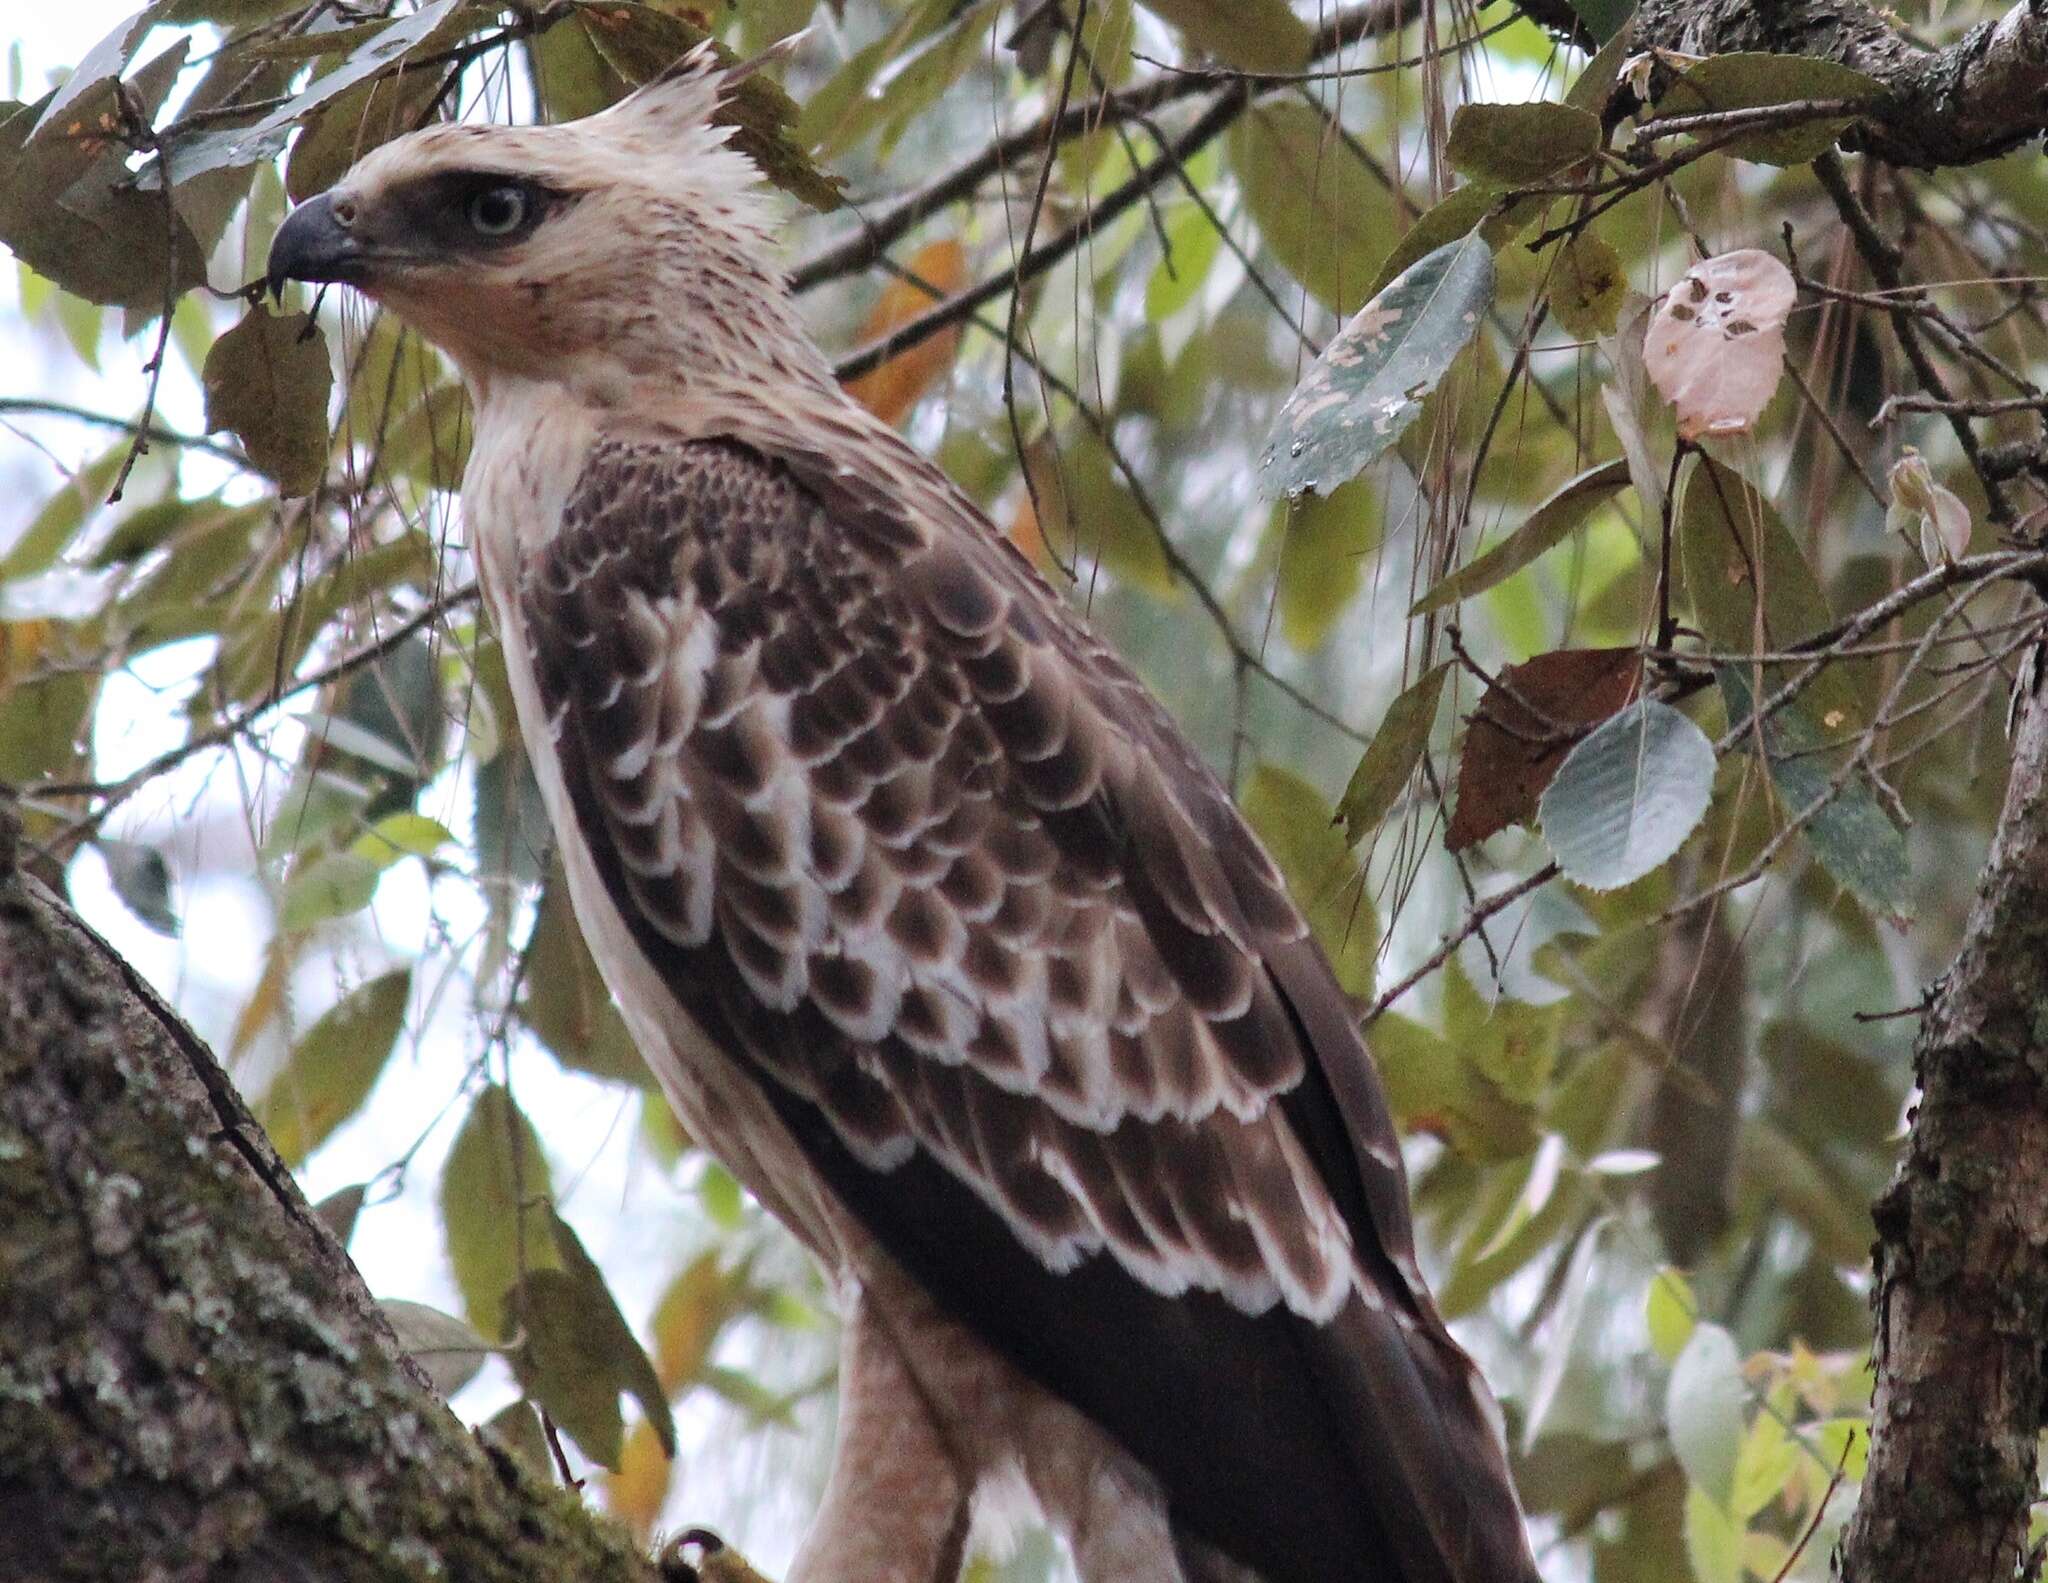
<point x="1526" y="723"/>
<point x="891" y="389"/>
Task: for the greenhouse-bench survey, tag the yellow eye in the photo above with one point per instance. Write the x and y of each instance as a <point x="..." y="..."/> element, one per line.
<point x="497" y="211"/>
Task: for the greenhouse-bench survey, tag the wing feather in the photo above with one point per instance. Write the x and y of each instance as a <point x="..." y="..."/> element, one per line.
<point x="934" y="865"/>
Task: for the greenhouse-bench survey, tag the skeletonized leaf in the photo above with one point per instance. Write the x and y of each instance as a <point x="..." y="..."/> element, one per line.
<point x="268" y="379"/>
<point x="1626" y="798"/>
<point x="1716" y="345"/>
<point x="446" y="1349"/>
<point x="331" y="1071"/>
<point x="1524" y="725"/>
<point x="1518" y="145"/>
<point x="1369" y="384"/>
<point x="1548" y="526"/>
<point x="1391" y="757"/>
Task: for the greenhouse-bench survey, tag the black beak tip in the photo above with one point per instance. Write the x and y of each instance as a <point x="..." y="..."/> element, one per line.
<point x="311" y="245"/>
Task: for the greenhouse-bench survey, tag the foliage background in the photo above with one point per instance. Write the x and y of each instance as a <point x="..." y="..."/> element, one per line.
<point x="257" y="729"/>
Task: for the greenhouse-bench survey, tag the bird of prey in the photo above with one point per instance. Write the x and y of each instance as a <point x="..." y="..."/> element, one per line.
<point x="930" y="922"/>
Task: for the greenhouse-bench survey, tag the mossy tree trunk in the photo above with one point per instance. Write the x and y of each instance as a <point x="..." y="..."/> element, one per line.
<point x="194" y="1382"/>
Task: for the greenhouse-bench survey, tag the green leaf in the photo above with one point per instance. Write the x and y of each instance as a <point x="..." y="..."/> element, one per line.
<point x="640" y="42"/>
<point x="71" y="210"/>
<point x="1476" y="206"/>
<point x="1519" y="145"/>
<point x="448" y="1352"/>
<point x="1853" y="837"/>
<point x="143" y="880"/>
<point x="345" y="128"/>
<point x="614" y="1337"/>
<point x="338" y="1211"/>
<point x="561" y="1369"/>
<point x="1086" y="511"/>
<point x="1626" y="797"/>
<point x="1369" y="384"/>
<point x="57" y="524"/>
<point x="1703" y="1410"/>
<point x="1604" y="19"/>
<point x="1671" y="1311"/>
<point x="1588" y="286"/>
<point x="331" y="1071"/>
<point x="1752" y="590"/>
<point x="1325" y="545"/>
<point x="1845" y="1443"/>
<point x="1390" y="759"/>
<point x="1252" y="35"/>
<point x="268" y="379"/>
<point x="1745" y="81"/>
<point x="332" y="885"/>
<point x="402" y="835"/>
<point x="563" y="998"/>
<point x="517" y="1430"/>
<point x="1434" y="1087"/>
<point x="1713" y="1540"/>
<point x="1294" y="822"/>
<point x="495" y="1192"/>
<point x="1764" y="1464"/>
<point x="1548" y="526"/>
<point x="1320" y="207"/>
<point x="389" y="45"/>
<point x="104" y="61"/>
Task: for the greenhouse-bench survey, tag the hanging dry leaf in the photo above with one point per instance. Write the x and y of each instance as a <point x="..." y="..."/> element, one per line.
<point x="1716" y="345"/>
<point x="1932" y="510"/>
<point x="1528" y="720"/>
<point x="891" y="389"/>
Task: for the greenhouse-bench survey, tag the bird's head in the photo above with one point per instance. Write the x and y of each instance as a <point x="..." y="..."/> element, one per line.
<point x="634" y="243"/>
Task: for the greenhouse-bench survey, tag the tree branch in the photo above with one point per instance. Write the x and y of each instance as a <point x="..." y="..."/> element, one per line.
<point x="1974" y="100"/>
<point x="194" y="1382"/>
<point x="1962" y="1285"/>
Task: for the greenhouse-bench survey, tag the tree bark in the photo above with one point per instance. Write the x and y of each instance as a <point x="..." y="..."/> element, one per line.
<point x="1980" y="97"/>
<point x="194" y="1382"/>
<point x="1962" y="1251"/>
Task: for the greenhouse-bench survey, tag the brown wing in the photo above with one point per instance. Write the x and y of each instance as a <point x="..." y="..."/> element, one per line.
<point x="924" y="856"/>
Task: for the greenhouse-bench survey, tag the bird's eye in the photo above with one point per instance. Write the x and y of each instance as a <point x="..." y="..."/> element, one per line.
<point x="497" y="211"/>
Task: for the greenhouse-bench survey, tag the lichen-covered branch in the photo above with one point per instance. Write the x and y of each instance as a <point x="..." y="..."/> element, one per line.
<point x="1979" y="97"/>
<point x="194" y="1383"/>
<point x="1962" y="1253"/>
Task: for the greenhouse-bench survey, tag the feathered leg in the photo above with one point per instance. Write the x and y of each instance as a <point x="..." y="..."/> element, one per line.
<point x="896" y="1505"/>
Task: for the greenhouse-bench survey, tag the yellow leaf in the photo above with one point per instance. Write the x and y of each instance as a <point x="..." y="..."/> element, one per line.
<point x="635" y="1494"/>
<point x="892" y="389"/>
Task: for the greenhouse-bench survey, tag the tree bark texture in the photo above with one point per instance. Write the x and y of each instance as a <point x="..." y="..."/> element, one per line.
<point x="1981" y="96"/>
<point x="194" y="1383"/>
<point x="1962" y="1252"/>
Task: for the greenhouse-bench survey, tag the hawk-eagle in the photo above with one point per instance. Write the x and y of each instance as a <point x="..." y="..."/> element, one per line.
<point x="931" y="923"/>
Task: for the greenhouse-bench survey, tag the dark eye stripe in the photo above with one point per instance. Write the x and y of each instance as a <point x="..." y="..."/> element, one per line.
<point x="444" y="210"/>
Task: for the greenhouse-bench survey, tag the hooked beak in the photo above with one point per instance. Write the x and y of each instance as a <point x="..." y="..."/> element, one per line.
<point x="315" y="244"/>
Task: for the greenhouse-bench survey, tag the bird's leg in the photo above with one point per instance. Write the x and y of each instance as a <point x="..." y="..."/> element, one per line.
<point x="1106" y="1507"/>
<point x="896" y="1506"/>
